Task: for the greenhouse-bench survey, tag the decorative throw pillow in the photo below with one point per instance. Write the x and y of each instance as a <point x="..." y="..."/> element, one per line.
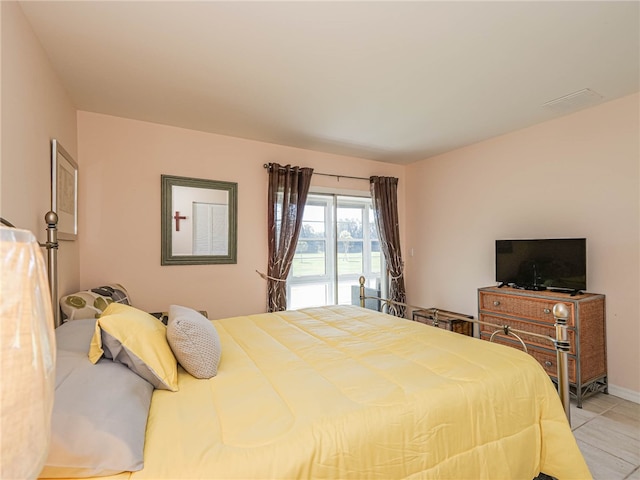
<point x="194" y="341"/>
<point x="91" y="303"/>
<point x="139" y="341"/>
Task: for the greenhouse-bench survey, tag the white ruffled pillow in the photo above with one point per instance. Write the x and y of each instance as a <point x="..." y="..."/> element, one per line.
<point x="194" y="341"/>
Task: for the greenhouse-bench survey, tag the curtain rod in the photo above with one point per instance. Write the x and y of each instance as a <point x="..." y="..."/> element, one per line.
<point x="267" y="165"/>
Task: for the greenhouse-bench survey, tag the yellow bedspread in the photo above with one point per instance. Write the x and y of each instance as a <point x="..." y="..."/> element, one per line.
<point x="342" y="392"/>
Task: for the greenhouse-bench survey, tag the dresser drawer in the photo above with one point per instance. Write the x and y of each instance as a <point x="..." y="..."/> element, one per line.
<point x="539" y="328"/>
<point x="548" y="360"/>
<point x="531" y="308"/>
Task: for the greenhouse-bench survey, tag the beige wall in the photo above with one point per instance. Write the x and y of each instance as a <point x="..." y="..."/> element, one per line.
<point x="122" y="161"/>
<point x="576" y="176"/>
<point x="35" y="109"/>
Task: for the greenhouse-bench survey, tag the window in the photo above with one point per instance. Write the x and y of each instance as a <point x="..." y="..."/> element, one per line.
<point x="338" y="243"/>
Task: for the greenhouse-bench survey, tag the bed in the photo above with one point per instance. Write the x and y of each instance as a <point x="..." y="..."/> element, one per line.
<point x="337" y="392"/>
<point x="334" y="392"/>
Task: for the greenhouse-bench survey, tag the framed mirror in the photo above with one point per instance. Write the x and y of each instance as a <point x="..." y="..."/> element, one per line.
<point x="199" y="221"/>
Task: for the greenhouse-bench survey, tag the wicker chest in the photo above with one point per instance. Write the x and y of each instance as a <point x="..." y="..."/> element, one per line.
<point x="441" y="319"/>
<point x="533" y="311"/>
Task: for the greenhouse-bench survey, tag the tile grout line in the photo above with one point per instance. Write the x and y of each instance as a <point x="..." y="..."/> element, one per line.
<point x="632" y="472"/>
<point x="596" y="415"/>
<point x="634" y="468"/>
<point x="601" y="414"/>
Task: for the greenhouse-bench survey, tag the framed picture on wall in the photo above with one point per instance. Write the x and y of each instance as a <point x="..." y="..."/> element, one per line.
<point x="64" y="191"/>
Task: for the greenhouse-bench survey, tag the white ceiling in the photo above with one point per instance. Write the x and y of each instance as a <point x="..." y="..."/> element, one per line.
<point x="390" y="81"/>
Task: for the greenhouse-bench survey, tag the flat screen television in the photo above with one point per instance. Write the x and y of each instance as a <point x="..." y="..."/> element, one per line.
<point x="540" y="264"/>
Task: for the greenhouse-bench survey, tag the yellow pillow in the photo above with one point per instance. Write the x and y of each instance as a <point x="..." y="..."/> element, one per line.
<point x="139" y="341"/>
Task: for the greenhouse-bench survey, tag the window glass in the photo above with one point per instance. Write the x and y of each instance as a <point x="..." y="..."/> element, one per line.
<point x="338" y="244"/>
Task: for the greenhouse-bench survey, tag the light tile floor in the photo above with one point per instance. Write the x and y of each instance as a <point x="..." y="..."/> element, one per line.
<point x="607" y="430"/>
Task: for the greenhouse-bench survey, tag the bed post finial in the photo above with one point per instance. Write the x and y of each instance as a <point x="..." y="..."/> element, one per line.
<point x="52" y="262"/>
<point x="362" y="281"/>
<point x="561" y="314"/>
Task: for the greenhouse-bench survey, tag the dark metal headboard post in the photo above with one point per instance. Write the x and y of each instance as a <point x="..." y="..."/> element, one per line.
<point x="52" y="262"/>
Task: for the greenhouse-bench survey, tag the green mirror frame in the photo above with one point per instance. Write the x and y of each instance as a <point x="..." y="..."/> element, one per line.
<point x="169" y="257"/>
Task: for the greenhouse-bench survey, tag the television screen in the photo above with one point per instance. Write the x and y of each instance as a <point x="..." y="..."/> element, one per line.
<point x="542" y="263"/>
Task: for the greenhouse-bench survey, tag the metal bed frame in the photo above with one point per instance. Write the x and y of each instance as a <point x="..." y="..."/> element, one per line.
<point x="560" y="342"/>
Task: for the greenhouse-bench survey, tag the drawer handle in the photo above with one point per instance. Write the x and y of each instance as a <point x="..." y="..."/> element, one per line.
<point x="547" y="311"/>
<point x="496" y="303"/>
<point x="548" y="363"/>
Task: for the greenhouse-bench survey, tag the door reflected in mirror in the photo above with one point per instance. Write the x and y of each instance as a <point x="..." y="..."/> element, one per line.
<point x="199" y="221"/>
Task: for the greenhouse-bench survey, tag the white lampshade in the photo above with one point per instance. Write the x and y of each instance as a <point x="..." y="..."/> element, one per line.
<point x="27" y="356"/>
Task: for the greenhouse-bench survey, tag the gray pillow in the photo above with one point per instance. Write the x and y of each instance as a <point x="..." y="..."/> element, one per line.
<point x="99" y="414"/>
<point x="194" y="341"/>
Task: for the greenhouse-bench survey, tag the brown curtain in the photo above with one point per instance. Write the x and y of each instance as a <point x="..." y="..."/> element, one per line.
<point x="384" y="195"/>
<point x="288" y="189"/>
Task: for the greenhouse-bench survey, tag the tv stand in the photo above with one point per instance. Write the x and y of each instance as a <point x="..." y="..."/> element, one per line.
<point x="533" y="311"/>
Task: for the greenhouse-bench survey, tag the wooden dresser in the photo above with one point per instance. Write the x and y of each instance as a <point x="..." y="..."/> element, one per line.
<point x="533" y="311"/>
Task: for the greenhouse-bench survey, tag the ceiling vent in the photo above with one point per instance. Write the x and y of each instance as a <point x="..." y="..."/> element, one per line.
<point x="574" y="101"/>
